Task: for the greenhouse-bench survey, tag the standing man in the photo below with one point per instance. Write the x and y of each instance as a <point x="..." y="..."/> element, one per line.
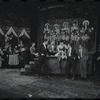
<point x="83" y="56"/>
<point x="71" y="62"/>
<point x="96" y="62"/>
<point x="43" y="52"/>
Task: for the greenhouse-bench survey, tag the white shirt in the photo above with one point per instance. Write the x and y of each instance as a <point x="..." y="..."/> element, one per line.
<point x="69" y="51"/>
<point x="44" y="45"/>
<point x="80" y="52"/>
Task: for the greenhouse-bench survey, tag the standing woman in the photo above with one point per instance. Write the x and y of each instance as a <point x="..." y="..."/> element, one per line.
<point x="1" y="53"/>
<point x="83" y="56"/>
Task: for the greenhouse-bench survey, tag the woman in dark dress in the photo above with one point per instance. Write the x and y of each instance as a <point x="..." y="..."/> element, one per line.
<point x="32" y="52"/>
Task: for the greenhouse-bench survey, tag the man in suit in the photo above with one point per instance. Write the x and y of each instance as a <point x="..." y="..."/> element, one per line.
<point x="96" y="62"/>
<point x="83" y="56"/>
<point x="71" y="62"/>
<point x="43" y="52"/>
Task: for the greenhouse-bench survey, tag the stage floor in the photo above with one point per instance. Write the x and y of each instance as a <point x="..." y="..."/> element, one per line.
<point x="12" y="84"/>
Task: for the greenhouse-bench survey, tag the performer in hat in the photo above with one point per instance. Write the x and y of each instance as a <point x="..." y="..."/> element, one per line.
<point x="46" y="30"/>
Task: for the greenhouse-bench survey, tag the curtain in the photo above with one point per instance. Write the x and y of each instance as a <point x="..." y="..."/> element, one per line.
<point x="24" y="33"/>
<point x="11" y="30"/>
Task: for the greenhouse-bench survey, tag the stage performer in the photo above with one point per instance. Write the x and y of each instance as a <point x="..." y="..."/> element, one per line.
<point x="66" y="28"/>
<point x="72" y="60"/>
<point x="61" y="53"/>
<point x="83" y="56"/>
<point x="43" y="52"/>
<point x="52" y="48"/>
<point x="47" y="31"/>
<point x="74" y="28"/>
<point x="57" y="32"/>
<point x="96" y="62"/>
<point x="33" y="53"/>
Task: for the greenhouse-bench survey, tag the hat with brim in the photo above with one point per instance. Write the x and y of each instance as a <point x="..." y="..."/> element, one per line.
<point x="56" y="25"/>
<point x="85" y="21"/>
<point x="47" y="24"/>
<point x="75" y="22"/>
<point x="66" y="24"/>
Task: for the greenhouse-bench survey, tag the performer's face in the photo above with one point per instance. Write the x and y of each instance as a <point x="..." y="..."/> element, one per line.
<point x="80" y="46"/>
<point x="21" y="42"/>
<point x="33" y="44"/>
<point x="74" y="24"/>
<point x="61" y="43"/>
<point x="86" y="24"/>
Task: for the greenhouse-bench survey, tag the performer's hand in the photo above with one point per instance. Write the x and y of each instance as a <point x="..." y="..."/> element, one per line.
<point x="98" y="58"/>
<point x="42" y="54"/>
<point x="78" y="57"/>
<point x="36" y="54"/>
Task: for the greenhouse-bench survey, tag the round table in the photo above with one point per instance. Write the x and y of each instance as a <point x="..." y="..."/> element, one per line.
<point x="13" y="59"/>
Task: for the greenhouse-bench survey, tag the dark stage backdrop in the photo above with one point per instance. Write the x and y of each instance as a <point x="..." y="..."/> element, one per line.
<point x="91" y="42"/>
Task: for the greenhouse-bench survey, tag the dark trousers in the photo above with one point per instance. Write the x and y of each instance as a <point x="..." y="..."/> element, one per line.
<point x="42" y="66"/>
<point x="71" y="65"/>
<point x="32" y="57"/>
<point x="97" y="67"/>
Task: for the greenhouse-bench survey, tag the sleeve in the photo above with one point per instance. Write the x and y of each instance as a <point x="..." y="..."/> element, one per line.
<point x="31" y="51"/>
<point x="58" y="48"/>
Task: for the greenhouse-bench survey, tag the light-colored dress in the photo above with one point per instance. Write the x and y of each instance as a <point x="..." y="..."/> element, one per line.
<point x="13" y="59"/>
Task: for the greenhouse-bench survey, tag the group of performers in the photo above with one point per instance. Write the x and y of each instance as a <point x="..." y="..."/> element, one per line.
<point x="74" y="33"/>
<point x="63" y="51"/>
<point x="21" y="55"/>
<point x="76" y="59"/>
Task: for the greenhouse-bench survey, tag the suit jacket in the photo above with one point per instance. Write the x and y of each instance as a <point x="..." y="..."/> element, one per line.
<point x="42" y="50"/>
<point x="84" y="54"/>
<point x="96" y="55"/>
<point x="74" y="55"/>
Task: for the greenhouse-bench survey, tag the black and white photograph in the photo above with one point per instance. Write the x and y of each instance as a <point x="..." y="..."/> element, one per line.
<point x="49" y="49"/>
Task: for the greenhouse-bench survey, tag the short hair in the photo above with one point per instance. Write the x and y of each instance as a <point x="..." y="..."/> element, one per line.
<point x="61" y="41"/>
<point x="45" y="40"/>
<point x="32" y="43"/>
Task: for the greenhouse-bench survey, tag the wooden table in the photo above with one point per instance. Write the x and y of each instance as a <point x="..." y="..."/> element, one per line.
<point x="54" y="67"/>
<point x="13" y="59"/>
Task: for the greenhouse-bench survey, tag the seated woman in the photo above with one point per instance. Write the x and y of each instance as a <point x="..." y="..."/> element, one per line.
<point x="20" y="44"/>
<point x="5" y="56"/>
<point x="16" y="56"/>
<point x="13" y="56"/>
<point x="10" y="53"/>
<point x="21" y="50"/>
<point x="61" y="48"/>
<point x="61" y="54"/>
<point x="32" y="52"/>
